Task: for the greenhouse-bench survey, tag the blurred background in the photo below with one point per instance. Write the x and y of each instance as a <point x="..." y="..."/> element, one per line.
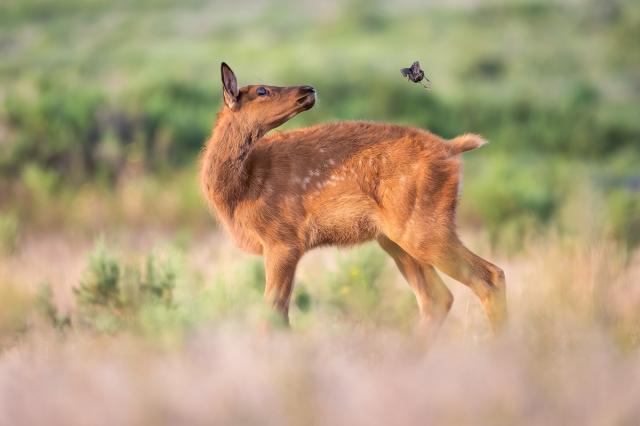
<point x="105" y="106"/>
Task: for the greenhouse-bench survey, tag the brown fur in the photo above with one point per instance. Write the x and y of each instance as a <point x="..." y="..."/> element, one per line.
<point x="341" y="183"/>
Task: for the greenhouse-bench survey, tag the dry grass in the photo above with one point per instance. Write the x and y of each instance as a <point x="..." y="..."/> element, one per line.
<point x="570" y="355"/>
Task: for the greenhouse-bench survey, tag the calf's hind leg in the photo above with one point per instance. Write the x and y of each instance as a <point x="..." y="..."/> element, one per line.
<point x="484" y="278"/>
<point x="434" y="298"/>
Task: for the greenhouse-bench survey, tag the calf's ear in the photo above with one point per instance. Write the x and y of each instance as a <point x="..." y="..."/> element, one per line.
<point x="229" y="86"/>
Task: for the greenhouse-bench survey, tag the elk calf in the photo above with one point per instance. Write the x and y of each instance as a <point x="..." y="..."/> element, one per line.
<point x="342" y="183"/>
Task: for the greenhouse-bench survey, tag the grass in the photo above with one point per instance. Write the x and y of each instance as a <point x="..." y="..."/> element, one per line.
<point x="205" y="354"/>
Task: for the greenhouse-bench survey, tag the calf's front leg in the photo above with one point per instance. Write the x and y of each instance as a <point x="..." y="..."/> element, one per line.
<point x="280" y="268"/>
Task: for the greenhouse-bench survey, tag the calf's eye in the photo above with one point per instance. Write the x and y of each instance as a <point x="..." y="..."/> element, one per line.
<point x="261" y="91"/>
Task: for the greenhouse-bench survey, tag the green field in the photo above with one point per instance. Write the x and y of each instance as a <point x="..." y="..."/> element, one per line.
<point x="120" y="295"/>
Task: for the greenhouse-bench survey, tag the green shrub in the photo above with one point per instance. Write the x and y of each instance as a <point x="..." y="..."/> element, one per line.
<point x="56" y="128"/>
<point x="9" y="232"/>
<point x="510" y="196"/>
<point x="40" y="183"/>
<point x="80" y="133"/>
<point x="353" y="287"/>
<point x="252" y="275"/>
<point x="46" y="307"/>
<point x="111" y="294"/>
<point x="623" y="208"/>
<point x="303" y="299"/>
<point x="101" y="284"/>
<point x="181" y="112"/>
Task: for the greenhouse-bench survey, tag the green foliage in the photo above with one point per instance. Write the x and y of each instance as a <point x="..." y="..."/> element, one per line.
<point x="100" y="286"/>
<point x="78" y="129"/>
<point x="112" y="295"/>
<point x="303" y="299"/>
<point x="54" y="128"/>
<point x="181" y="112"/>
<point x="367" y="15"/>
<point x="39" y="182"/>
<point x="510" y="197"/>
<point x="353" y="287"/>
<point x="624" y="215"/>
<point x="252" y="275"/>
<point x="158" y="282"/>
<point x="79" y="107"/>
<point x="46" y="307"/>
<point x="548" y="99"/>
<point x="9" y="232"/>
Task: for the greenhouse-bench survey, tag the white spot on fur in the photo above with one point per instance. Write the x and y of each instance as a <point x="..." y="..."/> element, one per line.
<point x="305" y="182"/>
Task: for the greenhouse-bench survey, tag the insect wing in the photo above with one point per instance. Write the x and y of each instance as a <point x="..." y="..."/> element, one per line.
<point x="406" y="72"/>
